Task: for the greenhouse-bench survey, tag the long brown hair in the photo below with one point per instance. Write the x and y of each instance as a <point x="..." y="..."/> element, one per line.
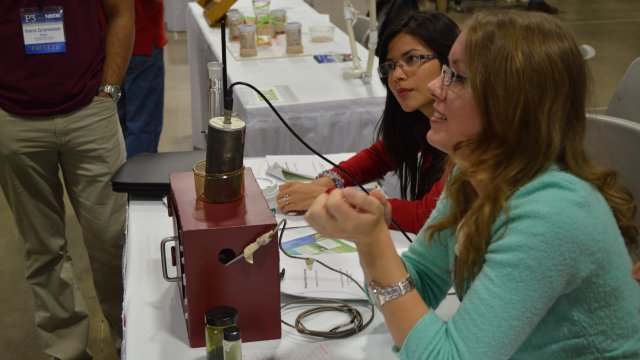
<point x="530" y="83"/>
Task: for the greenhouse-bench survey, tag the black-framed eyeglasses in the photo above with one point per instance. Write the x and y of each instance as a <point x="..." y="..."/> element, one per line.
<point x="450" y="76"/>
<point x="408" y="63"/>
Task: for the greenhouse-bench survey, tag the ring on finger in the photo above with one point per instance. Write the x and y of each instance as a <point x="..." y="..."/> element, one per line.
<point x="286" y="200"/>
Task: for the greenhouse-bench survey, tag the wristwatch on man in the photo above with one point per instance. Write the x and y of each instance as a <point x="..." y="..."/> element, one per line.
<point x="112" y="90"/>
<point x="381" y="295"/>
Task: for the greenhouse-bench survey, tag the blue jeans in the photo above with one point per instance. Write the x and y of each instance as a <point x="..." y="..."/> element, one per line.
<point x="142" y="103"/>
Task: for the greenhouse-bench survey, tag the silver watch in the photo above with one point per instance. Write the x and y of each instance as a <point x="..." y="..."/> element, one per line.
<point x="112" y="90"/>
<point x="381" y="295"/>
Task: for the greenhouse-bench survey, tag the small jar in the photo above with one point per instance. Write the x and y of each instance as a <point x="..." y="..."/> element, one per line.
<point x="234" y="19"/>
<point x="216" y="320"/>
<point x="232" y="343"/>
<point x="279" y="18"/>
<point x="293" y="31"/>
<point x="264" y="30"/>
<point x="248" y="40"/>
<point x="270" y="191"/>
<point x="261" y="7"/>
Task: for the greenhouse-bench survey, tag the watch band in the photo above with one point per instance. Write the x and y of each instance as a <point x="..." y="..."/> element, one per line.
<point x="382" y="295"/>
<point x="112" y="90"/>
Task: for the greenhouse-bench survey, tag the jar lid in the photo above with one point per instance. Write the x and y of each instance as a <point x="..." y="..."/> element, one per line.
<point x="231" y="333"/>
<point x="267" y="185"/>
<point x="221" y="316"/>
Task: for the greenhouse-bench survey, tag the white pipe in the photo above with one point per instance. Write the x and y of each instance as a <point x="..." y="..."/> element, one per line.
<point x="350" y="18"/>
<point x="373" y="41"/>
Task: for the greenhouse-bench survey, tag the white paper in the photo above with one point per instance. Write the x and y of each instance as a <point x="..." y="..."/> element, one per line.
<point x="307" y="166"/>
<point x="293" y="220"/>
<point x="307" y="352"/>
<point x="320" y="282"/>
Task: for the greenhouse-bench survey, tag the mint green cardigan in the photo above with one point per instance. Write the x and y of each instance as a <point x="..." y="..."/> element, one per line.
<point x="556" y="285"/>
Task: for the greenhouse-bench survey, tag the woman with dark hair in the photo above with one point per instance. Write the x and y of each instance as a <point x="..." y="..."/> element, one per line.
<point x="411" y="54"/>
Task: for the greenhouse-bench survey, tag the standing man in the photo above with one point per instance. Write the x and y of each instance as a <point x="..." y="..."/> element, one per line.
<point x="142" y="104"/>
<point x="62" y="62"/>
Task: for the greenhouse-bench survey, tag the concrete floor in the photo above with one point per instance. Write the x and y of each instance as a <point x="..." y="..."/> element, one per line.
<point x="611" y="27"/>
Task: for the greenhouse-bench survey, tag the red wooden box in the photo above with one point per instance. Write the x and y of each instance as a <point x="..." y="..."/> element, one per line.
<point x="209" y="232"/>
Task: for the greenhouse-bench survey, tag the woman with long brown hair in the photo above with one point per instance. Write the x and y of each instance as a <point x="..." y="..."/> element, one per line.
<point x="529" y="231"/>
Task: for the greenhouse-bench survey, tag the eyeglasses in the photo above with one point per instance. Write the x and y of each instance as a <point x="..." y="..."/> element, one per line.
<point x="407" y="63"/>
<point x="450" y="76"/>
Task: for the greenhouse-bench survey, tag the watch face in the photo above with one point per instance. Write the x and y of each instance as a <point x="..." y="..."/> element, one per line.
<point x="115" y="95"/>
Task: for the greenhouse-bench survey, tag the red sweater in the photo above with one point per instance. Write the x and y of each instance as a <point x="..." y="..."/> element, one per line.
<point x="373" y="163"/>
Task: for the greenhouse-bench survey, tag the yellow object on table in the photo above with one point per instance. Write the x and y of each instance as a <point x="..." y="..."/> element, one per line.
<point x="216" y="9"/>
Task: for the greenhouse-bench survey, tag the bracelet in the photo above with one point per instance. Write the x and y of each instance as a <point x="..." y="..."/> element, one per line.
<point x="381" y="295"/>
<point x="334" y="176"/>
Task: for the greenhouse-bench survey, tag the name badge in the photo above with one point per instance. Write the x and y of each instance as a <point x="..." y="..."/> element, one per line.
<point x="43" y="30"/>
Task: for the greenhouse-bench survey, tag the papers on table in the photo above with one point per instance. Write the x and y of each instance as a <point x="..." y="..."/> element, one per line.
<point x="315" y="244"/>
<point x="321" y="282"/>
<point x="302" y="168"/>
<point x="295" y="167"/>
<point x="305" y="168"/>
<point x="293" y="220"/>
<point x="318" y="281"/>
<point x="298" y="168"/>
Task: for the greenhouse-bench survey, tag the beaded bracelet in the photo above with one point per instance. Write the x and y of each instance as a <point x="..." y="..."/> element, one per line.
<point x="334" y="176"/>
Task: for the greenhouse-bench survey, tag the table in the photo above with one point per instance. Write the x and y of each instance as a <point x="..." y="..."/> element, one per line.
<point x="154" y="324"/>
<point x="332" y="114"/>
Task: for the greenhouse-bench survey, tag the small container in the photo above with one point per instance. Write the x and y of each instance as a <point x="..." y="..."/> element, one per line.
<point x="264" y="30"/>
<point x="232" y="343"/>
<point x="270" y="191"/>
<point x="248" y="40"/>
<point x="234" y="19"/>
<point x="217" y="188"/>
<point x="278" y="18"/>
<point x="217" y="319"/>
<point x="261" y="7"/>
<point x="321" y="33"/>
<point x="293" y="31"/>
<point x="249" y="20"/>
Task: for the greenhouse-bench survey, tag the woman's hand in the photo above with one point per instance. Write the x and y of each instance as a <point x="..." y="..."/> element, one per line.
<point x="350" y="214"/>
<point x="380" y="196"/>
<point x="298" y="196"/>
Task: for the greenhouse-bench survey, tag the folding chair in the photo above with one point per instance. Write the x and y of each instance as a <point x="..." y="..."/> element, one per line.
<point x="615" y="143"/>
<point x="626" y="99"/>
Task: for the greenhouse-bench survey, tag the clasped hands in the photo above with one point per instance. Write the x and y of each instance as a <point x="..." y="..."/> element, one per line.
<point x="350" y="214"/>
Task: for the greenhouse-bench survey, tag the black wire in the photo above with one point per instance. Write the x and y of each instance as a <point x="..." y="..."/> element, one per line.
<point x="312" y="149"/>
<point x="356" y="322"/>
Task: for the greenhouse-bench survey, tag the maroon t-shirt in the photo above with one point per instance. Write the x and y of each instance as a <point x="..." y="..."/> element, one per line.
<point x="51" y="84"/>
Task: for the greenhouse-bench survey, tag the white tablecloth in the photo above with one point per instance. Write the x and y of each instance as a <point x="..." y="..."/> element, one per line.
<point x="154" y="324"/>
<point x="332" y="114"/>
